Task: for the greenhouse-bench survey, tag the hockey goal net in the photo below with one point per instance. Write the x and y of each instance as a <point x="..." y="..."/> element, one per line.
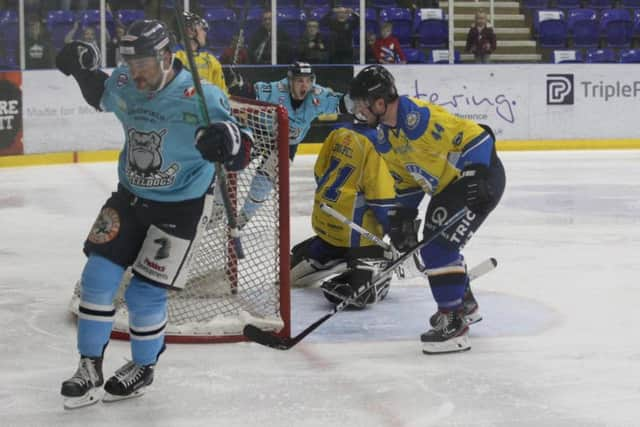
<point x="224" y="293"/>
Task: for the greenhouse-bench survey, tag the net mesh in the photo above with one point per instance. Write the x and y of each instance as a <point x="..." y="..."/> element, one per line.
<point x="223" y="292"/>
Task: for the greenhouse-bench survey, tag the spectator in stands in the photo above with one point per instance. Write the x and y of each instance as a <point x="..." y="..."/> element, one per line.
<point x="312" y="47"/>
<point x="260" y="44"/>
<point x="114" y="59"/>
<point x="481" y="39"/>
<point x="236" y="53"/>
<point x="38" y="48"/>
<point x="88" y="34"/>
<point x="342" y="22"/>
<point x="370" y="54"/>
<point x="387" y="48"/>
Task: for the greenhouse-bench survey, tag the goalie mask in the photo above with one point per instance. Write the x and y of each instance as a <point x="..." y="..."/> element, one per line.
<point x="193" y="22"/>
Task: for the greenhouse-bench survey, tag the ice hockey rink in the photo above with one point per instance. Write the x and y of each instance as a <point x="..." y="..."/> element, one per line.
<point x="558" y="345"/>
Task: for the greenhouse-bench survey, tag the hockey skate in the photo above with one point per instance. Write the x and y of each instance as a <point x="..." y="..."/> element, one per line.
<point x="85" y="386"/>
<point x="129" y="381"/>
<point x="449" y="335"/>
<point x="470" y="308"/>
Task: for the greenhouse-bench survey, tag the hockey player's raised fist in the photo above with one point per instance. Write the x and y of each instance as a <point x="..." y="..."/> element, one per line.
<point x="77" y="56"/>
<point x="223" y="142"/>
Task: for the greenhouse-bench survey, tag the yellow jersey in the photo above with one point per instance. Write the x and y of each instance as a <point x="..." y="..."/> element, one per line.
<point x="354" y="180"/>
<point x="430" y="146"/>
<point x="209" y="67"/>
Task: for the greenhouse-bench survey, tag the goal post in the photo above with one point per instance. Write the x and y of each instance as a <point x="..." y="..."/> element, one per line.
<point x="224" y="293"/>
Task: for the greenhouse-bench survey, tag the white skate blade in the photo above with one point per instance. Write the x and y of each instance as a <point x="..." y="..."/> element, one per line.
<point x="89" y="398"/>
<point x="452" y="345"/>
<point x="108" y="397"/>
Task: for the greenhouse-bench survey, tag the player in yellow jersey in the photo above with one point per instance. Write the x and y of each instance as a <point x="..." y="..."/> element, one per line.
<point x="352" y="178"/>
<point x="454" y="161"/>
<point x="209" y="67"/>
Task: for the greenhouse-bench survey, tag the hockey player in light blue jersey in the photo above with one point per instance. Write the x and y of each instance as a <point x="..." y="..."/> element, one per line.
<point x="304" y="101"/>
<point x="151" y="221"/>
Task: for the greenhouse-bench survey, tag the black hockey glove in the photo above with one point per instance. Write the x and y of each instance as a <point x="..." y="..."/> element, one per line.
<point x="222" y="142"/>
<point x="403" y="227"/>
<point x="477" y="191"/>
<point x="77" y="56"/>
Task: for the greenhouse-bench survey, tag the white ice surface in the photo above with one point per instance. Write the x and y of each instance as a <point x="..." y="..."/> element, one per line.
<point x="558" y="345"/>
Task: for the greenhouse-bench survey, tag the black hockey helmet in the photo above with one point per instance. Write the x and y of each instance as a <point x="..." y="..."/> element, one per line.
<point x="191" y="20"/>
<point x="145" y="38"/>
<point x="299" y="68"/>
<point x="373" y="82"/>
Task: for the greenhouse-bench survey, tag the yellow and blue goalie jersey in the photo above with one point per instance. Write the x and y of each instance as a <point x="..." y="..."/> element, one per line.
<point x="354" y="180"/>
<point x="430" y="146"/>
<point x="209" y="67"/>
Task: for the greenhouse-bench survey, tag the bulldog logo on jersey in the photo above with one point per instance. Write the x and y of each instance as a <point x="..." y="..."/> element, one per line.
<point x="106" y="227"/>
<point x="382" y="143"/>
<point x="144" y="157"/>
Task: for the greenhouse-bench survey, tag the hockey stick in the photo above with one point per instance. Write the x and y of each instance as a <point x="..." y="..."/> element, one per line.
<point x="284" y="343"/>
<point x="365" y="233"/>
<point x="221" y="177"/>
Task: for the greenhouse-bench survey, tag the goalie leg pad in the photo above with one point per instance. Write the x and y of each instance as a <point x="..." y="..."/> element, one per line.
<point x="147" y="305"/>
<point x="100" y="280"/>
<point x="314" y="260"/>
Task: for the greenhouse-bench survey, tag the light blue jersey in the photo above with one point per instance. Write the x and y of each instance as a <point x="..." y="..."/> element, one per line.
<point x="159" y="160"/>
<point x="320" y="100"/>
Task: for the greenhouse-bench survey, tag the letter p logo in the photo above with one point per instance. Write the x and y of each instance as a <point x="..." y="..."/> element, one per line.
<point x="559" y="89"/>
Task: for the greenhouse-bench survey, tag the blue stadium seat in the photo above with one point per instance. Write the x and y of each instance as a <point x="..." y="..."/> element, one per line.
<point x="402" y="21"/>
<point x="535" y="4"/>
<point x="414" y="56"/>
<point x="371" y="26"/>
<point x="636" y="23"/>
<point x="252" y="21"/>
<point x="567" y="56"/>
<point x="599" y="56"/>
<point x="292" y="20"/>
<point x="630" y="56"/>
<point x="630" y="4"/>
<point x="616" y="26"/>
<point x="568" y="4"/>
<point x="432" y="28"/>
<point x="552" y="28"/>
<point x="127" y="16"/>
<point x="599" y="4"/>
<point x="212" y="4"/>
<point x="59" y="23"/>
<point x="441" y="56"/>
<point x="382" y="4"/>
<point x="315" y="4"/>
<point x="91" y="17"/>
<point x="584" y="27"/>
<point x="223" y="25"/>
<point x="9" y="27"/>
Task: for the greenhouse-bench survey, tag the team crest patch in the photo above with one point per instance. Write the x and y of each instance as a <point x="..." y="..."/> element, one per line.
<point x="190" y="118"/>
<point x="316" y="101"/>
<point x="106" y="227"/>
<point x="189" y="92"/>
<point x="123" y="79"/>
<point x="412" y="120"/>
<point x="458" y="139"/>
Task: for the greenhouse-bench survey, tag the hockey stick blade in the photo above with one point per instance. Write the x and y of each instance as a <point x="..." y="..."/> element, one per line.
<point x="269" y="339"/>
<point x="286" y="343"/>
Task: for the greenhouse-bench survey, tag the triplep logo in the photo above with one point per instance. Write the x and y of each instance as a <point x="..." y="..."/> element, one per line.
<point x="559" y="89"/>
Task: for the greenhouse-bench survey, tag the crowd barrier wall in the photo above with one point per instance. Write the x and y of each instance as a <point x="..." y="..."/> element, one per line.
<point x="44" y="119"/>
